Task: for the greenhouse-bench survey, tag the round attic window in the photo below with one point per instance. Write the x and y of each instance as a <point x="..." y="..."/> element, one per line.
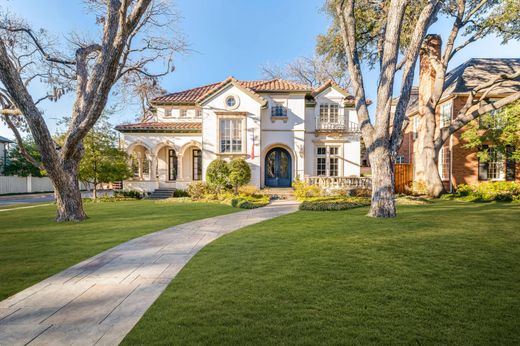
<point x="231" y="102"/>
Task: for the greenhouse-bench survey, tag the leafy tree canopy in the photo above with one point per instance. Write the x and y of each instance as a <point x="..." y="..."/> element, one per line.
<point x="18" y="165"/>
<point x="498" y="17"/>
<point x="500" y="129"/>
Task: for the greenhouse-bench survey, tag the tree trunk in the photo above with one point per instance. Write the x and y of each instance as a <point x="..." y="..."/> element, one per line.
<point x="68" y="194"/>
<point x="383" y="202"/>
<point x="426" y="171"/>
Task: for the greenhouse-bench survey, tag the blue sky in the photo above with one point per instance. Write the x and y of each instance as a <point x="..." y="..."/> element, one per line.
<point x="228" y="37"/>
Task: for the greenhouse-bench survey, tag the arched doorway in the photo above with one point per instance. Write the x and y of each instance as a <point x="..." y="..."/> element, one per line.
<point x="278" y="168"/>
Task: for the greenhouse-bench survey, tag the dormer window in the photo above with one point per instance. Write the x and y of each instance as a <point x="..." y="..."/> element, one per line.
<point x="329" y="113"/>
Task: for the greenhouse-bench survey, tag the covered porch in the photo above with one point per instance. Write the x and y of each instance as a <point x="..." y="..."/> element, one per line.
<point x="165" y="165"/>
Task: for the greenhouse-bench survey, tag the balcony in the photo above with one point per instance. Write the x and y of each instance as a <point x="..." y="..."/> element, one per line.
<point x="340" y="125"/>
<point x="278" y="113"/>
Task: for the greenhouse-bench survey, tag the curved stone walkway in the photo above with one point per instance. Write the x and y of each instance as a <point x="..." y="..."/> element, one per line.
<point x="98" y="301"/>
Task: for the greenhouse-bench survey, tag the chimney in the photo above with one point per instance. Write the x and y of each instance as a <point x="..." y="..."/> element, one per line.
<point x="431" y="48"/>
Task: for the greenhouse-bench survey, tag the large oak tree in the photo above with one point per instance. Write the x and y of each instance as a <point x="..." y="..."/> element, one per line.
<point x="133" y="35"/>
<point x="389" y="35"/>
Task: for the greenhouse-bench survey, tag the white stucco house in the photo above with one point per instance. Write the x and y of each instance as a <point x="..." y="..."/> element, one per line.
<point x="283" y="129"/>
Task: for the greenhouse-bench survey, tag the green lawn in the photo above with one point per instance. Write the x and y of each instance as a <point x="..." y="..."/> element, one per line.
<point x="445" y="273"/>
<point x="33" y="246"/>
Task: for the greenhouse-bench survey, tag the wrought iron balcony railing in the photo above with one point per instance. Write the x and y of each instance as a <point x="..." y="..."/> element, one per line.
<point x="278" y="111"/>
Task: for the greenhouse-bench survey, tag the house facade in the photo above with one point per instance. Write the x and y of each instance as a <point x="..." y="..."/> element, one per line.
<point x="283" y="130"/>
<point x="4" y="149"/>
<point x="457" y="164"/>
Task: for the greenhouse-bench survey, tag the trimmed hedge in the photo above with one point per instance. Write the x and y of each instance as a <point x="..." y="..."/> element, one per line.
<point x="333" y="203"/>
<point x="249" y="202"/>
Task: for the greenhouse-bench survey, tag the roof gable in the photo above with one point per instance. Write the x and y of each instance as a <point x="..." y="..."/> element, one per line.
<point x="222" y="86"/>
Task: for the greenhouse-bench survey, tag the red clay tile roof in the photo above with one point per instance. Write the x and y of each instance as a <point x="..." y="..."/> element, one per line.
<point x="192" y="95"/>
<point x="169" y="126"/>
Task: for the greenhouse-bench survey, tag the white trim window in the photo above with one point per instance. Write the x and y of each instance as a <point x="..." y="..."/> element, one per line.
<point x="497" y="164"/>
<point x="445" y="115"/>
<point x="184" y="113"/>
<point x="400" y="159"/>
<point x="327" y="161"/>
<point x="329" y="113"/>
<point x="444" y="163"/>
<point x="231" y="135"/>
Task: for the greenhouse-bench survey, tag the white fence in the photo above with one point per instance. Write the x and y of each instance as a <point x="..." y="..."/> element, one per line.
<point x="14" y="184"/>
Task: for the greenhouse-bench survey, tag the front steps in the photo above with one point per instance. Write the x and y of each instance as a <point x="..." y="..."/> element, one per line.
<point x="279" y="192"/>
<point x="162" y="193"/>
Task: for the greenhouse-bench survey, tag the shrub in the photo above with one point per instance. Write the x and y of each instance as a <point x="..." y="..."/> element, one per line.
<point x="129" y="194"/>
<point x="334" y="203"/>
<point x="239" y="173"/>
<point x="303" y="190"/>
<point x="418" y="188"/>
<point x="249" y="190"/>
<point x="249" y="202"/>
<point x="180" y="193"/>
<point x="503" y="191"/>
<point x="217" y="174"/>
<point x="197" y="190"/>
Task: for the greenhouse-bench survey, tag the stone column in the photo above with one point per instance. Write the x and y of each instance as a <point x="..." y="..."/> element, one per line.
<point x="179" y="168"/>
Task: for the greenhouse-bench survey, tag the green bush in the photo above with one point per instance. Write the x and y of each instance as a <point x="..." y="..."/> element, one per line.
<point x="303" y="190"/>
<point x="333" y="203"/>
<point x="198" y="189"/>
<point x="129" y="194"/>
<point x="249" y="202"/>
<point x="501" y="191"/>
<point x="217" y="174"/>
<point x="180" y="193"/>
<point x="239" y="173"/>
<point x="249" y="190"/>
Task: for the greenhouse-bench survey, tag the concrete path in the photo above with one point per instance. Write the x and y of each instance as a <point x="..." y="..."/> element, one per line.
<point x="98" y="301"/>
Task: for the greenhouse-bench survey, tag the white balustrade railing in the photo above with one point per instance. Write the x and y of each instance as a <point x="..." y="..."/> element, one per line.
<point x="340" y="182"/>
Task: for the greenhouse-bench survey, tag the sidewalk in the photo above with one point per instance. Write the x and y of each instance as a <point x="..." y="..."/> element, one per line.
<point x="98" y="301"/>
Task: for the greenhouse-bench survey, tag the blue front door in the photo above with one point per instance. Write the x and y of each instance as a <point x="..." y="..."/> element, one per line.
<point x="278" y="168"/>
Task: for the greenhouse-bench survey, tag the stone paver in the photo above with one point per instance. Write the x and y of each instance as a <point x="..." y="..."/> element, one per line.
<point x="98" y="301"/>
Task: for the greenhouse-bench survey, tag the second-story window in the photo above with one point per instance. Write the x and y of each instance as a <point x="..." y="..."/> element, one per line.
<point x="167" y="112"/>
<point x="329" y="113"/>
<point x="278" y="110"/>
<point x="445" y="116"/>
<point x="199" y="113"/>
<point x="184" y="113"/>
<point x="231" y="135"/>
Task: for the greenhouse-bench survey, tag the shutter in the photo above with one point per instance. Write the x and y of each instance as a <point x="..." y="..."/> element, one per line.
<point x="483" y="167"/>
<point x="510" y="164"/>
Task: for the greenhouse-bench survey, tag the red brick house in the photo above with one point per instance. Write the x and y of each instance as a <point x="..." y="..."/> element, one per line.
<point x="458" y="165"/>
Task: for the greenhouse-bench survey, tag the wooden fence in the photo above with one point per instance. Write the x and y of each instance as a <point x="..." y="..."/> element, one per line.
<point x="403" y="173"/>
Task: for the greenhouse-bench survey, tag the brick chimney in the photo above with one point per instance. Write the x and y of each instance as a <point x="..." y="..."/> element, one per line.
<point x="431" y="48"/>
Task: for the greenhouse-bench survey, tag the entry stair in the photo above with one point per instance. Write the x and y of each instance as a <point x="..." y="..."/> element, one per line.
<point x="162" y="193"/>
<point x="279" y="193"/>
